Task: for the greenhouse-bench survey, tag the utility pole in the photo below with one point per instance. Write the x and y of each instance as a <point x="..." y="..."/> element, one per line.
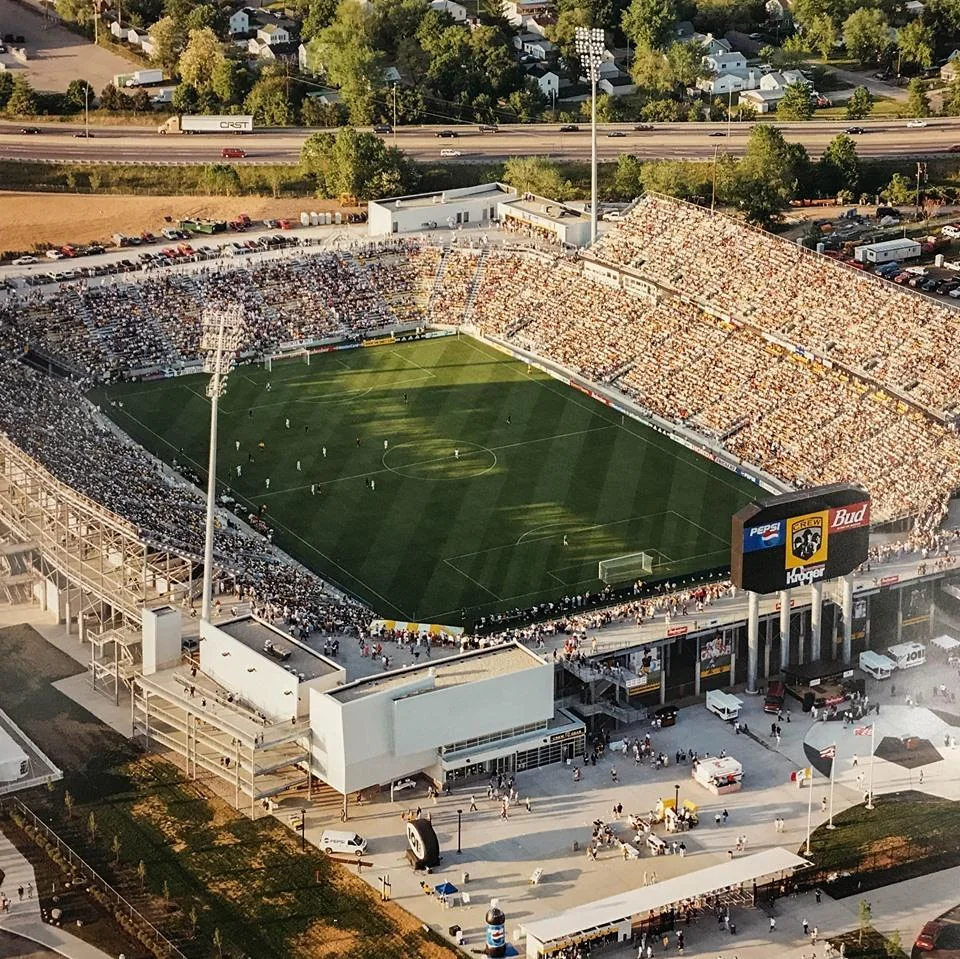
<point x="713" y="193"/>
<point x="921" y="177"/>
<point x="86" y="109"/>
<point x="394" y="114"/>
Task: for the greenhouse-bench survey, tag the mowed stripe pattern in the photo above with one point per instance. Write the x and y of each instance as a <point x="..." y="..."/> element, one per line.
<point x="488" y="464"/>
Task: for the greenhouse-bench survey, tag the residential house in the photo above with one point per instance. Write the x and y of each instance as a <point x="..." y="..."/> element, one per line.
<point x="540" y="23"/>
<point x="533" y="45"/>
<point x="240" y="21"/>
<point x="136" y="37"/>
<point x="272" y="34"/>
<point x="278" y="52"/>
<point x="781" y="79"/>
<point x="713" y="46"/>
<point x="725" y="62"/>
<point x="763" y="101"/>
<point x="548" y="81"/>
<point x="303" y="59"/>
<point x="118" y="31"/>
<point x="618" y="86"/>
<point x="456" y="10"/>
<point x="729" y="73"/>
<point x="517" y="11"/>
<point x="950" y="71"/>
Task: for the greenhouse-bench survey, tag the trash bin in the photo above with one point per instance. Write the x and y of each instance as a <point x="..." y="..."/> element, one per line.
<point x="464" y="878"/>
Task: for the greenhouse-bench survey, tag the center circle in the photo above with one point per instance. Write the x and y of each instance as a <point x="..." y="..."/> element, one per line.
<point x="439" y="459"/>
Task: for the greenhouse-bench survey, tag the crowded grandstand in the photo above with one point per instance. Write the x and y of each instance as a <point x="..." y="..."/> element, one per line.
<point x="798" y="366"/>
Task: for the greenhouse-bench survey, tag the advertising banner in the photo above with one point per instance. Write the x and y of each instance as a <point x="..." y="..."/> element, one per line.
<point x="715" y="655"/>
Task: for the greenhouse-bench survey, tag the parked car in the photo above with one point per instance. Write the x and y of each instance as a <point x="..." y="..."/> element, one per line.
<point x="570" y="128"/>
<point x="611" y="216"/>
<point x="928" y="935"/>
<point x="25" y="260"/>
<point x="951" y="231"/>
<point x="54" y="255"/>
<point x="335" y="841"/>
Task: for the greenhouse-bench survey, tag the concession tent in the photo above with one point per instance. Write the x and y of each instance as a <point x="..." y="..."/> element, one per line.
<point x="618" y="913"/>
<point x="14" y="762"/>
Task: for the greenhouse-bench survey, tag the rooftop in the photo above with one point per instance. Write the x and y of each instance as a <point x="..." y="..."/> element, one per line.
<point x="455" y="671"/>
<point x="256" y="634"/>
<point x="545" y="209"/>
<point x="486" y="191"/>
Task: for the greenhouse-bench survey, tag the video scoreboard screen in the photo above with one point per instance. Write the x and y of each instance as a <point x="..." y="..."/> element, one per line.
<point x="798" y="539"/>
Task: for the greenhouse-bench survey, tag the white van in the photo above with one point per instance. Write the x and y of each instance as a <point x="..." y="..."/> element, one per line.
<point x="333" y="841"/>
<point x="450" y="153"/>
<point x="876" y="664"/>
<point x="724" y="705"/>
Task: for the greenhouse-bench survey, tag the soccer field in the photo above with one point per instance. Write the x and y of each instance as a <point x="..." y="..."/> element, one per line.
<point x="480" y="466"/>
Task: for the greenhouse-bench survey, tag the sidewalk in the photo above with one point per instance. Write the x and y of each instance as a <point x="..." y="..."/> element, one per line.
<point x="24" y="918"/>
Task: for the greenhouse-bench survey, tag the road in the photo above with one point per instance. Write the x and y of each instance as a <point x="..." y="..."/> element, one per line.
<point x="674" y="141"/>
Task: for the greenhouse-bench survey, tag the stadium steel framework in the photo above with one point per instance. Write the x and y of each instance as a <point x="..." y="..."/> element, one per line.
<point x="102" y="572"/>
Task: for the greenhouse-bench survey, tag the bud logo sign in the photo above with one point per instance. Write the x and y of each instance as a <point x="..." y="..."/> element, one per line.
<point x="800" y="538"/>
<point x="807" y="540"/>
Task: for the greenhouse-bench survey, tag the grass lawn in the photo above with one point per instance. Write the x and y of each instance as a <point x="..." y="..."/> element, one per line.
<point x="909" y="834"/>
<point x="882" y="107"/>
<point x="248" y="879"/>
<point x="484" y="531"/>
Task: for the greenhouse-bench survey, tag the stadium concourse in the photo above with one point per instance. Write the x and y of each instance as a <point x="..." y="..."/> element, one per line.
<point x="808" y="370"/>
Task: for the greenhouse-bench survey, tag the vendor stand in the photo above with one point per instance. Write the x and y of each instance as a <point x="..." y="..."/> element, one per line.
<point x="720" y="776"/>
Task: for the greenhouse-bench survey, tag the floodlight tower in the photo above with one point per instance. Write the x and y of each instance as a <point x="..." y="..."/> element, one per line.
<point x="220" y="341"/>
<point x="590" y="49"/>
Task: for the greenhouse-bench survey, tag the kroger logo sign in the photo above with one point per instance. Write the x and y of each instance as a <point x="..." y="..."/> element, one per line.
<point x="763" y="537"/>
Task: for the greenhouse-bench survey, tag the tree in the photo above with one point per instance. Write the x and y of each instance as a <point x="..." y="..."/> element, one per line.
<point x="899" y="190"/>
<point x="791" y="55"/>
<point x="649" y="22"/>
<point x="6" y="87"/>
<point x="220" y="179"/>
<point x="78" y="93"/>
<point x="747" y="112"/>
<point x="840" y="166"/>
<point x="193" y="920"/>
<point x="114" y="99"/>
<point x="23" y="101"/>
<point x="916" y="43"/>
<point x="230" y="82"/>
<point x="141" y="102"/>
<point x="663" y="111"/>
<point x="218" y="942"/>
<point x="866" y="34"/>
<point x="679" y="178"/>
<point x="864" y="915"/>
<point x="209" y="16"/>
<point x="185" y="99"/>
<point x="272" y="102"/>
<point x="200" y="58"/>
<point x="951" y="100"/>
<point x="795" y="103"/>
<point x="315" y="113"/>
<point x="767" y="176"/>
<point x="685" y="61"/>
<point x="76" y="11"/>
<point x="822" y="35"/>
<point x="115" y="847"/>
<point x="894" y="945"/>
<point x="918" y="103"/>
<point x="627" y="182"/>
<point x="533" y="174"/>
<point x="92" y="827"/>
<point x="651" y="71"/>
<point x="355" y="164"/>
<point x="142" y="872"/>
<point x="318" y="15"/>
<point x="69" y="802"/>
<point x="860" y="104"/>
<point x="167" y="40"/>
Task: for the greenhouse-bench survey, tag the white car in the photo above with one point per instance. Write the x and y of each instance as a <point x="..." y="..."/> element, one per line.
<point x="25" y="260"/>
<point x="955" y="293"/>
<point x="951" y="231"/>
<point x="54" y="255"/>
<point x="612" y="216"/>
<point x="402" y="784"/>
<point x="916" y="123"/>
<point x="450" y="153"/>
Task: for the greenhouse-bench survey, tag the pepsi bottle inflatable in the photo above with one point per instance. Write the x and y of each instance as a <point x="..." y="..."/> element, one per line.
<point x="496" y="933"/>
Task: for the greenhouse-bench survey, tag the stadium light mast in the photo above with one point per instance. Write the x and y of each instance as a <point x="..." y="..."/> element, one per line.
<point x="590" y="49"/>
<point x="222" y="329"/>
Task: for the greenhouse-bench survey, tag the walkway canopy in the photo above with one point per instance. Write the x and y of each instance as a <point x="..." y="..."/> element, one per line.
<point x="618" y="913"/>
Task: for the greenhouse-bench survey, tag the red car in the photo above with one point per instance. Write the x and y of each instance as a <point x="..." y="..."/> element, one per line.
<point x="955" y="148"/>
<point x="927" y="939"/>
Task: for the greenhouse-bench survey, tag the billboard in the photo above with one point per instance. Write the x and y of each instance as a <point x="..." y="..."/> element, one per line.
<point x="802" y="538"/>
<point x="715" y="655"/>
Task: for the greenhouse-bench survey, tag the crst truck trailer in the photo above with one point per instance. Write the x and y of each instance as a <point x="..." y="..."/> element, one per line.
<point x="205" y="124"/>
<point x="139" y="78"/>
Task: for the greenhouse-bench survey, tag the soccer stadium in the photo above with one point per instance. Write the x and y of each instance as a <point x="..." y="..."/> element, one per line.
<point x="481" y="505"/>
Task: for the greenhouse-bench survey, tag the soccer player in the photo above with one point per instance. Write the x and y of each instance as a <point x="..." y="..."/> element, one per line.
<point x="323" y="450"/>
<point x="385" y="444"/>
<point x="373" y="484"/>
<point x="565" y="543"/>
<point x="358" y="441"/>
<point x="404" y="397"/>
<point x="313" y="489"/>
<point x="456" y="454"/>
<point x="298" y="467"/>
<point x="268" y="482"/>
<point x="239" y="470"/>
<point x="509" y="419"/>
<point x="269" y="386"/>
<point x="237" y="444"/>
<point x="287" y="422"/>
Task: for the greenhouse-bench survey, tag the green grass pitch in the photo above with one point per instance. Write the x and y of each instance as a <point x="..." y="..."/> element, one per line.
<point x="441" y="532"/>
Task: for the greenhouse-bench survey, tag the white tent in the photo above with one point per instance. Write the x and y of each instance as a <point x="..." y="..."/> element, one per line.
<point x="14" y="762"/>
<point x="946" y="642"/>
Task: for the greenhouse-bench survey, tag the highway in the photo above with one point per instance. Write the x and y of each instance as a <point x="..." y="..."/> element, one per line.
<point x="667" y="141"/>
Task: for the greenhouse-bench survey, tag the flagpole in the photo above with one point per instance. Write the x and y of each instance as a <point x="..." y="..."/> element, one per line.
<point x="873" y="754"/>
<point x="833" y="765"/>
<point x="809" y="811"/>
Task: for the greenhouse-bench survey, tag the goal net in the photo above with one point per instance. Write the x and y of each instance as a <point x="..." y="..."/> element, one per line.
<point x="301" y="355"/>
<point x="622" y="569"/>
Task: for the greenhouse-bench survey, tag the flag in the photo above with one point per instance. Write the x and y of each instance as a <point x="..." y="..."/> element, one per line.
<point x="830" y="752"/>
<point x="863" y="730"/>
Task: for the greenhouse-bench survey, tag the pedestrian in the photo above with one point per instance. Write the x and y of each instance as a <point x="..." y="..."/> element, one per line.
<point x="526" y="802"/>
<point x="823" y="804"/>
<point x="815" y="936"/>
<point x="29" y="890"/>
<point x="473" y="804"/>
<point x="921" y="777"/>
<point x="725" y="814"/>
<point x="20" y="892"/>
<point x="817" y="894"/>
<point x="716" y="819"/>
<point x="855" y="761"/>
<point x="806" y="925"/>
<point x="773" y="924"/>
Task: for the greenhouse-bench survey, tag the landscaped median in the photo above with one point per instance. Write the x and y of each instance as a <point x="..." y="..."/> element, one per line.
<point x="908" y="834"/>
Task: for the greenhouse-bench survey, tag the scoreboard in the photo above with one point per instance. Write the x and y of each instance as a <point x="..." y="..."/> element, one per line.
<point x="798" y="539"/>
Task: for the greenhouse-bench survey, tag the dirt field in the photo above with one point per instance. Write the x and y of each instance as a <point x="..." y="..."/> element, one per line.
<point x="29" y="218"/>
<point x="57" y="56"/>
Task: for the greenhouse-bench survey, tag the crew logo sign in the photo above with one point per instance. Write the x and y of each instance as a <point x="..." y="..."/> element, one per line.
<point x="807" y="540"/>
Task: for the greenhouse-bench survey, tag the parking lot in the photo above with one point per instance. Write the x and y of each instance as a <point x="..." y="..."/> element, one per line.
<point x="55" y="56"/>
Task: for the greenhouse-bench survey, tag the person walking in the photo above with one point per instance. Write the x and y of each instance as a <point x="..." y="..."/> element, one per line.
<point x="806" y="925"/>
<point x="814" y="936"/>
<point x="773" y="924"/>
<point x="473" y="804"/>
<point x="20" y="892"/>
